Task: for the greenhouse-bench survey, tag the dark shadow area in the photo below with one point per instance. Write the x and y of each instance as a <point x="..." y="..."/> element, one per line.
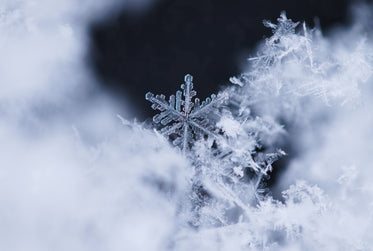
<point x="133" y="53"/>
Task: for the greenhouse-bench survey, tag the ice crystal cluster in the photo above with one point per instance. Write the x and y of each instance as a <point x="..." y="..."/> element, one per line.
<point x="223" y="150"/>
<point x="72" y="177"/>
<point x="232" y="140"/>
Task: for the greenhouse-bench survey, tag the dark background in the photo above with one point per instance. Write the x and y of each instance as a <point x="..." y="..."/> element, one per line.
<point x="151" y="50"/>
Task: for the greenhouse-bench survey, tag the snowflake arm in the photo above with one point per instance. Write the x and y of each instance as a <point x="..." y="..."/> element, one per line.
<point x="208" y="104"/>
<point x="169" y="111"/>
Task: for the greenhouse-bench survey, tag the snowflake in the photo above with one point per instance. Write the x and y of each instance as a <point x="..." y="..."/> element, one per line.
<point x="186" y="119"/>
<point x="284" y="26"/>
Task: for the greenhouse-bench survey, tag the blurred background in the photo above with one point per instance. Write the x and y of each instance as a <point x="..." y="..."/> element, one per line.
<point x="72" y="177"/>
<point x="151" y="48"/>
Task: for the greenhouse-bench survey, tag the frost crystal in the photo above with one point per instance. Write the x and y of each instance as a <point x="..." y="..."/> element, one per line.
<point x="223" y="146"/>
<point x="184" y="118"/>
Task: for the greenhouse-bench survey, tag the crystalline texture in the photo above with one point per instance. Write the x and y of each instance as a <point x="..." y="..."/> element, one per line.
<point x="186" y="118"/>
